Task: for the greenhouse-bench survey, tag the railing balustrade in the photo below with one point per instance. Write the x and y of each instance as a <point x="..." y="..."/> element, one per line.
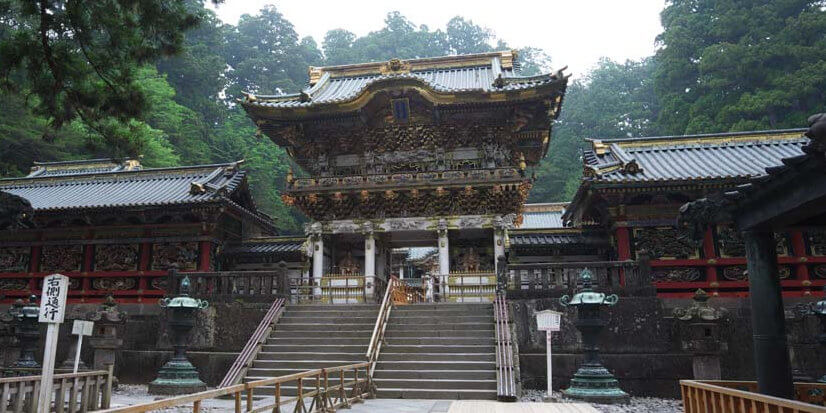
<point x="71" y="392"/>
<point x="505" y="366"/>
<point x="250" y="351"/>
<point x="337" y="289"/>
<point x="741" y="397"/>
<point x="529" y="279"/>
<point x="229" y="285"/>
<point x="466" y="286"/>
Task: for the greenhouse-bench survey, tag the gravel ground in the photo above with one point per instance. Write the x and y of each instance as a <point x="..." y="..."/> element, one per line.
<point x="637" y="405"/>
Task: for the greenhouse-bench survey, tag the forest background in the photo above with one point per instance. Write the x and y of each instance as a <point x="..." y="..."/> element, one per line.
<point x="160" y="79"/>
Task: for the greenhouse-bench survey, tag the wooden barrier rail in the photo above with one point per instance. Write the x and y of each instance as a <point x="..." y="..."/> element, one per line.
<point x="71" y="392"/>
<point x="328" y="390"/>
<point x="538" y="278"/>
<point x="232" y="285"/>
<point x="725" y="396"/>
<point x="259" y="336"/>
<point x="505" y="382"/>
<point x="376" y="339"/>
<point x="337" y="289"/>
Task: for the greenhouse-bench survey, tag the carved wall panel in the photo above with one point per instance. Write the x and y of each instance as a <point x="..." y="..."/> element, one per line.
<point x="184" y="254"/>
<point x="61" y="258"/>
<point x="784" y="272"/>
<point x="817" y="242"/>
<point x="114" y="283"/>
<point x="14" y="284"/>
<point x="665" y="242"/>
<point x="15" y="259"/>
<point x="676" y="274"/>
<point x="116" y="257"/>
<point x="159" y="283"/>
<point x="735" y="273"/>
<point x="819" y="271"/>
<point x="730" y="243"/>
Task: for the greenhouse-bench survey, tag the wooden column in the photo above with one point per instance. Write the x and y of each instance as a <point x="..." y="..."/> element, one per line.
<point x="711" y="256"/>
<point x="801" y="270"/>
<point x="623" y="248"/>
<point x="204" y="256"/>
<point x="771" y="353"/>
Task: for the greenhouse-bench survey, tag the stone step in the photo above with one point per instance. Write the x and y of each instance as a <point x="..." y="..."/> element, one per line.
<point x="321" y="314"/>
<point x="448" y="319"/>
<point x="314" y="333"/>
<point x="278" y="372"/>
<point x="435" y="341"/>
<point x="311" y="355"/>
<point x="486" y="332"/>
<point x="317" y="348"/>
<point x="331" y="307"/>
<point x="403" y="312"/>
<point x="445" y="307"/>
<point x="311" y="342"/>
<point x="289" y="390"/>
<point x="304" y="365"/>
<point x="435" y="326"/>
<point x="436" y="384"/>
<point x="328" y="319"/>
<point x="441" y="394"/>
<point x="437" y="348"/>
<point x="435" y="374"/>
<point x="432" y="365"/>
<point x="458" y="357"/>
<point x="331" y="329"/>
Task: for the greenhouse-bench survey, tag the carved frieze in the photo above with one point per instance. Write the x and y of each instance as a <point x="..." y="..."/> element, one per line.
<point x="471" y="222"/>
<point x="114" y="283"/>
<point x="671" y="274"/>
<point x="817" y="242"/>
<point x="61" y="258"/>
<point x="819" y="271"/>
<point x="184" y="254"/>
<point x="159" y="283"/>
<point x="15" y="259"/>
<point x="665" y="242"/>
<point x="116" y="257"/>
<point x="14" y="284"/>
<point x="731" y="242"/>
<point x="735" y="273"/>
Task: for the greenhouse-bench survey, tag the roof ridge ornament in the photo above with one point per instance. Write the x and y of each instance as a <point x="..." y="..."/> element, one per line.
<point x="395" y="66"/>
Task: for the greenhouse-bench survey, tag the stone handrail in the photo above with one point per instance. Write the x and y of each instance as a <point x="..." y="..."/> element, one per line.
<point x="251" y="285"/>
<point x="543" y="277"/>
<point x="505" y="380"/>
<point x="259" y="336"/>
<point x="328" y="389"/>
<point x="723" y="396"/>
<point x="71" y="392"/>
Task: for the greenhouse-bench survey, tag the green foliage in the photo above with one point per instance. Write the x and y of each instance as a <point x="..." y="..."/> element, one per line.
<point x="734" y="65"/>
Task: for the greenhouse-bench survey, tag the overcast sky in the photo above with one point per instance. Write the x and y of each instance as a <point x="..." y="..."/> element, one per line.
<point x="575" y="33"/>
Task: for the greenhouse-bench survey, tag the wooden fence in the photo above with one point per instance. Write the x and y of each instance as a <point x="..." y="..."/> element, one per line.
<point x="529" y="279"/>
<point x="741" y="397"/>
<point x="72" y="392"/>
<point x="321" y="390"/>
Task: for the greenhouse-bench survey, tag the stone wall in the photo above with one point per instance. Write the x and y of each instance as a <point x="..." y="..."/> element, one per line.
<point x="641" y="344"/>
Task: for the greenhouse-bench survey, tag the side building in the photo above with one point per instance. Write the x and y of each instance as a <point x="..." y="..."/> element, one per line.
<point x="115" y="227"/>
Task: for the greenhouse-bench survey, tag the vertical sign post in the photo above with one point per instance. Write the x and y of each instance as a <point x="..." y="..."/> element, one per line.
<point x="52" y="312"/>
<point x="548" y="321"/>
<point x="81" y="328"/>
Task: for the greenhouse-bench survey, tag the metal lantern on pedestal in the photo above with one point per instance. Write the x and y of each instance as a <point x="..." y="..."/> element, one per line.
<point x="178" y="375"/>
<point x="24" y="317"/>
<point x="592" y="382"/>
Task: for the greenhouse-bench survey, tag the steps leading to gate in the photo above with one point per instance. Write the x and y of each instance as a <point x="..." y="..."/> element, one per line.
<point x="438" y="351"/>
<point x="311" y="337"/>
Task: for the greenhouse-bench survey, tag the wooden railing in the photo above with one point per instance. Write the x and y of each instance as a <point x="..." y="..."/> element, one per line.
<point x="505" y="380"/>
<point x="729" y="397"/>
<point x="71" y="392"/>
<point x="231" y="285"/>
<point x="468" y="286"/>
<point x="321" y="390"/>
<point x="259" y="337"/>
<point x="377" y="338"/>
<point x="535" y="278"/>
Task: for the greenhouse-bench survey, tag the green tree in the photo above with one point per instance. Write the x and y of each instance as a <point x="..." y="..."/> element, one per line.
<point x="740" y="65"/>
<point x="80" y="58"/>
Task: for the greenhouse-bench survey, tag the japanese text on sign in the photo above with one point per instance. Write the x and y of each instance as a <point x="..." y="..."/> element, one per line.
<point x="53" y="299"/>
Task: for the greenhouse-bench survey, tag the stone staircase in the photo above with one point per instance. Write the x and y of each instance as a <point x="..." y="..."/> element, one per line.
<point x="312" y="337"/>
<point x="438" y="351"/>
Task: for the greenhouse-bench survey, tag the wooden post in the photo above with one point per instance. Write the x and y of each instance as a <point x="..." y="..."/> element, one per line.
<point x="107" y="391"/>
<point x="52" y="312"/>
<point x="771" y="353"/>
<point x="623" y="249"/>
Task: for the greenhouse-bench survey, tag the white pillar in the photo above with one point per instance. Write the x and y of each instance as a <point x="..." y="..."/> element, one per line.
<point x="444" y="261"/>
<point x="369" y="263"/>
<point x="498" y="247"/>
<point x="318" y="264"/>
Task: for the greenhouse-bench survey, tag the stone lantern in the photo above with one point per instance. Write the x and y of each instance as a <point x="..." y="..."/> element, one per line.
<point x="108" y="318"/>
<point x="592" y="382"/>
<point x="178" y="375"/>
<point x="24" y="317"/>
<point x="701" y="335"/>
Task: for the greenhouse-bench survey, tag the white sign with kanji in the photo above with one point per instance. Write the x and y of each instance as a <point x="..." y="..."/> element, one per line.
<point x="53" y="299"/>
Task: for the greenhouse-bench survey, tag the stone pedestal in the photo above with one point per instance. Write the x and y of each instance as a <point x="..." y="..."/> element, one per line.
<point x="108" y="320"/>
